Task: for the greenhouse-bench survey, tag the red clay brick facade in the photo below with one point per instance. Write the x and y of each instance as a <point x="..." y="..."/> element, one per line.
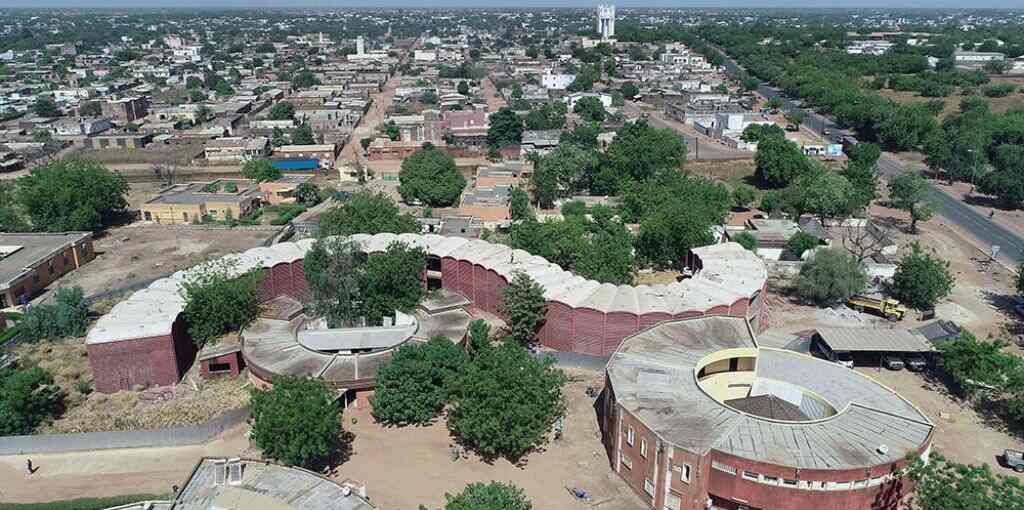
<point x="230" y="364"/>
<point x="153" y="361"/>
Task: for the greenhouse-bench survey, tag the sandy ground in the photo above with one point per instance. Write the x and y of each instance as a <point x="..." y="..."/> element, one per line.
<point x="421" y="458"/>
<point x="353" y="151"/>
<point x="109" y="472"/>
<point x="132" y="254"/>
<point x="494" y="100"/>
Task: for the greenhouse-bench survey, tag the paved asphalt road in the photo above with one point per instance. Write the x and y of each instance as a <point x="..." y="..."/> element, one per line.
<point x="987" y="232"/>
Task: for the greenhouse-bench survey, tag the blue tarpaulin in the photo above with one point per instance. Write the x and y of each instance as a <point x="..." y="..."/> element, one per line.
<point x="296" y="164"/>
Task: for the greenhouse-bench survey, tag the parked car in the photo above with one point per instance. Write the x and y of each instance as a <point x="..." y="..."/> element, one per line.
<point x="1014" y="460"/>
<point x="826" y="132"/>
<point x="892" y="362"/>
<point x="915" y="362"/>
<point x="792" y="127"/>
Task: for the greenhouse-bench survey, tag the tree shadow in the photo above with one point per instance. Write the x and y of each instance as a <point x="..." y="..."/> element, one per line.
<point x="341" y="452"/>
<point x="986" y="201"/>
<point x="890" y="495"/>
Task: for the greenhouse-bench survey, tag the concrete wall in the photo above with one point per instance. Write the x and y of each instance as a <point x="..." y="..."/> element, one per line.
<point x="177" y="436"/>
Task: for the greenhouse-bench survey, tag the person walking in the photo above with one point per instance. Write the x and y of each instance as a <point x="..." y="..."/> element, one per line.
<point x="28" y="466"/>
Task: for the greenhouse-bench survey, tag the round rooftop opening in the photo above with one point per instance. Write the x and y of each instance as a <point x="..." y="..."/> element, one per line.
<point x="730" y="377"/>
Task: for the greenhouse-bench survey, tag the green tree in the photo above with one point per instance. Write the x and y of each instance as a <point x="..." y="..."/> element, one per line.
<point x="261" y="170"/>
<point x="491" y="496"/>
<point x="830" y="276"/>
<point x="479" y="337"/>
<point x="941" y="484"/>
<point x="219" y="301"/>
<point x="519" y="205"/>
<point x="641" y="152"/>
<point x="861" y="172"/>
<point x="297" y="422"/>
<point x="976" y="364"/>
<point x="303" y="135"/>
<point x="413" y="387"/>
<point x="524" y="306"/>
<point x="746" y="240"/>
<point x="506" y="128"/>
<point x="799" y="243"/>
<point x="463" y="88"/>
<point x="743" y="195"/>
<point x="430" y="176"/>
<point x="391" y="280"/>
<point x="504" y="403"/>
<point x="583" y="135"/>
<point x="629" y="90"/>
<point x="332" y="269"/>
<point x="429" y="97"/>
<point x="90" y="109"/>
<point x="796" y="117"/>
<point x="282" y="110"/>
<point x="308" y="194"/>
<point x="305" y="80"/>
<point x="921" y="280"/>
<point x="45" y="107"/>
<point x="68" y="316"/>
<point x="590" y="109"/>
<point x="366" y="213"/>
<point x="821" y="192"/>
<point x="10" y="217"/>
<point x="907" y="192"/>
<point x="758" y="132"/>
<point x="28" y="398"/>
<point x="72" y="194"/>
<point x="779" y="161"/>
<point x="1006" y="180"/>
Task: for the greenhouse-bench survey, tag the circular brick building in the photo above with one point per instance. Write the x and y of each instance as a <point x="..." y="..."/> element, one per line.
<point x="144" y="341"/>
<point x="695" y="416"/>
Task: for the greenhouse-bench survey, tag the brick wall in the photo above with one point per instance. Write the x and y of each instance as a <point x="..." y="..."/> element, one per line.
<point x="233" y="360"/>
<point x="119" y="366"/>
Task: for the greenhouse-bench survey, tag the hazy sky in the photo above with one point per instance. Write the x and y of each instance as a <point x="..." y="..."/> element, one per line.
<point x="957" y="4"/>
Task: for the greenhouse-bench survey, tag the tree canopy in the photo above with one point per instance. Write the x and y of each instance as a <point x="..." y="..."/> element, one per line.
<point x="506" y="128"/>
<point x="490" y="496"/>
<point x="260" y="170"/>
<point x="391" y="280"/>
<point x="366" y="213"/>
<point x="28" y="398"/>
<point x="598" y="247"/>
<point x="282" y="110"/>
<point x="907" y="191"/>
<point x="524" y="307"/>
<point x="921" y="280"/>
<point x="218" y="301"/>
<point x="941" y="484"/>
<point x="297" y="422"/>
<point x="430" y="176"/>
<point x="413" y="387"/>
<point x="640" y="152"/>
<point x="829" y="276"/>
<point x="779" y="161"/>
<point x="505" y="401"/>
<point x="590" y="109"/>
<point x="72" y="195"/>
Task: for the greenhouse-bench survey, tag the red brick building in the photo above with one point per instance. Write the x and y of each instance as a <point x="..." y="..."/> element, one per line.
<point x="583" y="315"/>
<point x="695" y="415"/>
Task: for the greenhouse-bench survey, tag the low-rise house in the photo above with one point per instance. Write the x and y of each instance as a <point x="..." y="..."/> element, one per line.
<point x="324" y="154"/>
<point x="491" y="203"/>
<point x="192" y="202"/>
<point x="121" y="139"/>
<point x="126" y="110"/>
<point x="282" y="191"/>
<point x="30" y="262"/>
<point x="236" y="149"/>
<point x="539" y="141"/>
<point x="80" y="127"/>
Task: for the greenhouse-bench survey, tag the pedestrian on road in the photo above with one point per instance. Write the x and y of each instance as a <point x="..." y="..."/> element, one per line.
<point x="28" y="465"/>
<point x="991" y="214"/>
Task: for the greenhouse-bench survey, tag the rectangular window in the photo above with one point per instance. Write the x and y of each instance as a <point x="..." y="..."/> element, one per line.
<point x="684" y="474"/>
<point x="789" y="483"/>
<point x="643" y="447"/>
<point x="771" y="480"/>
<point x="723" y="467"/>
<point x="750" y="475"/>
<point x="673" y="502"/>
<point x="860" y="484"/>
<point x="630" y="436"/>
<point x="626" y="461"/>
<point x="216" y="368"/>
<point x="35" y="277"/>
<point x="648" y="486"/>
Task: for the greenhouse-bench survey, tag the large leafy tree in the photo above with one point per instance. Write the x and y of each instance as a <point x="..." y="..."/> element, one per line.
<point x="590" y="109"/>
<point x="907" y="192"/>
<point x="504" y="403"/>
<point x="563" y="172"/>
<point x="861" y="172"/>
<point x="821" y="192"/>
<point x="413" y="387"/>
<point x="779" y="161"/>
<point x="830" y="275"/>
<point x="303" y="135"/>
<point x="391" y="280"/>
<point x="11" y="219"/>
<point x="297" y="422"/>
<point x="260" y="170"/>
<point x="640" y="152"/>
<point x="975" y="364"/>
<point x="72" y="194"/>
<point x="68" y="316"/>
<point x="921" y="280"/>
<point x="491" y="496"/>
<point x="599" y="248"/>
<point x="283" y="110"/>
<point x="45" y="107"/>
<point x="506" y="128"/>
<point x="218" y="300"/>
<point x="430" y="175"/>
<point x="1006" y="180"/>
<point x="331" y="269"/>
<point x="366" y="213"/>
<point x="524" y="306"/>
<point x="28" y="399"/>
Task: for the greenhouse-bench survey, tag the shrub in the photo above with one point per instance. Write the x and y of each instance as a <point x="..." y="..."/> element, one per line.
<point x="413" y="387"/>
<point x="297" y="422"/>
<point x="830" y="276"/>
<point x="746" y="240"/>
<point x="219" y="302"/>
<point x="68" y="316"/>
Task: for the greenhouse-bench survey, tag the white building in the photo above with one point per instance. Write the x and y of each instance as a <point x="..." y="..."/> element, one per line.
<point x="360" y="45"/>
<point x="425" y="56"/>
<point x="552" y="81"/>
<point x="572" y="99"/>
<point x="977" y="57"/>
<point x="606" y="21"/>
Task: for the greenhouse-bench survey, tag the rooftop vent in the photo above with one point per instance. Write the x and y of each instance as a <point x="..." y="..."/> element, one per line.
<point x="883" y="449"/>
<point x="235" y="471"/>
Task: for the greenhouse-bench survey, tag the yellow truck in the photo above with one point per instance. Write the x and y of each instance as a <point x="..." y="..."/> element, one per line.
<point x="888" y="308"/>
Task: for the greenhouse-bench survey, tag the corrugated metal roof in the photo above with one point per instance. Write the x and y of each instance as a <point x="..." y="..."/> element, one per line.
<point x="874" y="340"/>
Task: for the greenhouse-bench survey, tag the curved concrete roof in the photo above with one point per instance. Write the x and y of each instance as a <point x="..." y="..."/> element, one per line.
<point x="654" y="378"/>
<point x="730" y="273"/>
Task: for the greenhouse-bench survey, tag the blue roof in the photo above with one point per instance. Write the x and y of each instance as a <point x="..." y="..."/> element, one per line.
<point x="296" y="164"/>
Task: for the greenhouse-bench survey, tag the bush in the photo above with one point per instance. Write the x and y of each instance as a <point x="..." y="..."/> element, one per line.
<point x="68" y="317"/>
<point x="297" y="422"/>
<point x="921" y="280"/>
<point x="524" y="306"/>
<point x="28" y="399"/>
<point x="84" y="503"/>
<point x="491" y="496"/>
<point x="413" y="387"/>
<point x="746" y="240"/>
<point x="217" y="302"/>
<point x="830" y="276"/>
<point x="799" y="243"/>
<point x="999" y="90"/>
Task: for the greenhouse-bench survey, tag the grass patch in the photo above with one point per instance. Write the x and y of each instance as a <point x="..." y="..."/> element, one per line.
<point x="84" y="503"/>
<point x="284" y="212"/>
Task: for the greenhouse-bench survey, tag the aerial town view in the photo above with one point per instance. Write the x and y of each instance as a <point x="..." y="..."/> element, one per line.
<point x="489" y="256"/>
